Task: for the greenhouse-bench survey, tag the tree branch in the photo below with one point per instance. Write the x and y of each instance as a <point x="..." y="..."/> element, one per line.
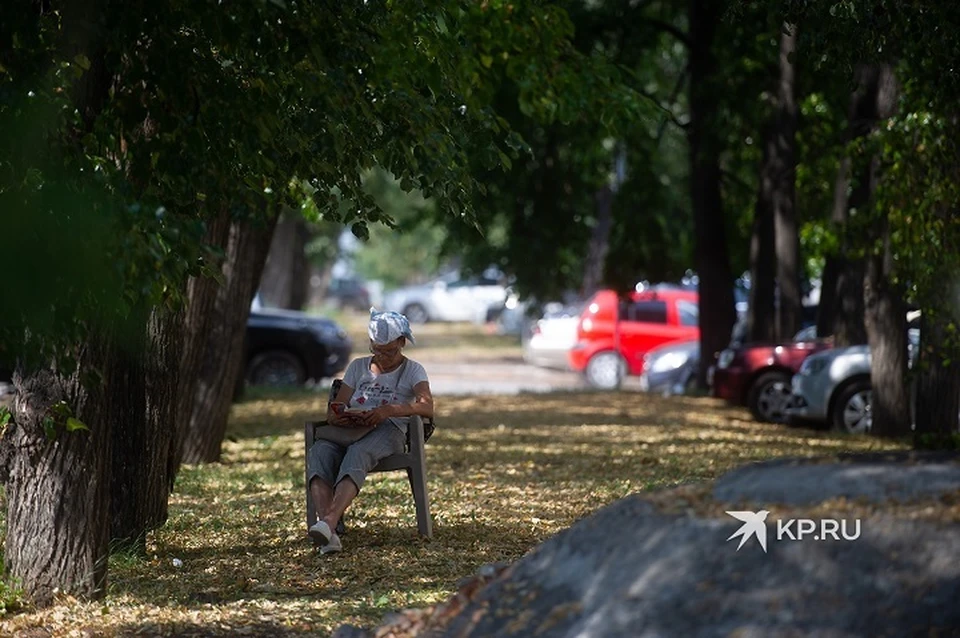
<point x="735" y="180"/>
<point x="668" y="114"/>
<point x="666" y="27"/>
<point x="681" y="79"/>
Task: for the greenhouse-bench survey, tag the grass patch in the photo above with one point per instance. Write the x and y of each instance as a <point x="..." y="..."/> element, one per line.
<point x="505" y="473"/>
<point x="438" y="340"/>
<point x="11" y="595"/>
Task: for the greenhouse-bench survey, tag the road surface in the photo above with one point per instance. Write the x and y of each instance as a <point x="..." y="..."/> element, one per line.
<point x="501" y="376"/>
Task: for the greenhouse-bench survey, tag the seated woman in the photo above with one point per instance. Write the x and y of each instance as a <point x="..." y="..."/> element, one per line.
<point x="391" y="388"/>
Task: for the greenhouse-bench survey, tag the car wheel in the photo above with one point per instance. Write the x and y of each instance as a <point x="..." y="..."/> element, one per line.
<point x="416" y="313"/>
<point x="605" y="370"/>
<point x="852" y="409"/>
<point x="691" y="384"/>
<point x="769" y="397"/>
<point x="276" y="368"/>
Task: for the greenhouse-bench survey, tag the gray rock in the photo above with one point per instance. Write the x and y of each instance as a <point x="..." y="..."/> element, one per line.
<point x="350" y="631"/>
<point x="869" y="477"/>
<point x="629" y="571"/>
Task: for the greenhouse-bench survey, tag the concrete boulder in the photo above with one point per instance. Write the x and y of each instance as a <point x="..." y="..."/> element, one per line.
<point x="661" y="564"/>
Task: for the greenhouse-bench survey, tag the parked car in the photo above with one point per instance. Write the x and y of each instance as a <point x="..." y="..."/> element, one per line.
<point x="349" y="293"/>
<point x="613" y="335"/>
<point x="808" y="327"/>
<point x="451" y="298"/>
<point x="671" y="368"/>
<point x="834" y="387"/>
<point x="285" y="347"/>
<point x="548" y="342"/>
<point x="758" y="375"/>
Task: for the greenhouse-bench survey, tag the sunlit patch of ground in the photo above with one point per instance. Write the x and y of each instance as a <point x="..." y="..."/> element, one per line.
<point x="504" y="474"/>
<point x="439" y="341"/>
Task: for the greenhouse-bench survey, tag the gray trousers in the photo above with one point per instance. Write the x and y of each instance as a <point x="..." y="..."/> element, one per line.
<point x="332" y="462"/>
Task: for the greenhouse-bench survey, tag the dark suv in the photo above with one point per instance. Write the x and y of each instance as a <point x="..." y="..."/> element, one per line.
<point x="285" y="347"/>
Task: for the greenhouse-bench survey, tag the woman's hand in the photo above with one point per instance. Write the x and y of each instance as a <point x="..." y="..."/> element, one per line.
<point x="340" y="419"/>
<point x="375" y="416"/>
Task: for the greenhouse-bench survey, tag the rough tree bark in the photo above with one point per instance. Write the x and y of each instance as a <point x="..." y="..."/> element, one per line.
<point x="886" y="325"/>
<point x="775" y="243"/>
<point x="884" y="309"/>
<point x="786" y="230"/>
<point x="58" y="482"/>
<point x="143" y="449"/>
<point x="841" y="299"/>
<point x="131" y="460"/>
<point x="717" y="313"/>
<point x="215" y="327"/>
<point x="938" y="382"/>
<point x="286" y="275"/>
<point x="58" y="491"/>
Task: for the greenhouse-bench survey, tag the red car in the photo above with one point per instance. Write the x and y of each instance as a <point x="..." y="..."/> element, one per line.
<point x="611" y="344"/>
<point x="758" y="375"/>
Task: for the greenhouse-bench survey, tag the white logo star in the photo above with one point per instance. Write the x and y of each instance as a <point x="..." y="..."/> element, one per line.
<point x="753" y="525"/>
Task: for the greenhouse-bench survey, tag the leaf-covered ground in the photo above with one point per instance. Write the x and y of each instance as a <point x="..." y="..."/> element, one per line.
<point x="505" y="473"/>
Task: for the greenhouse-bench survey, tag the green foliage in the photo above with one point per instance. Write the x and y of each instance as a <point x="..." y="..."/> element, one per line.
<point x="133" y="129"/>
<point x="920" y="194"/>
<point x="936" y="441"/>
<point x="58" y="418"/>
<point x="11" y="595"/>
<point x="538" y="215"/>
<point x="410" y="249"/>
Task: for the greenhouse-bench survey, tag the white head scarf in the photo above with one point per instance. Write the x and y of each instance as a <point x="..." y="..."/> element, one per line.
<point x="388" y="326"/>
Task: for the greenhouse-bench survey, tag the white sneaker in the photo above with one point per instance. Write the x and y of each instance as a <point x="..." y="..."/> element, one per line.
<point x="333" y="546"/>
<point x="320" y="532"/>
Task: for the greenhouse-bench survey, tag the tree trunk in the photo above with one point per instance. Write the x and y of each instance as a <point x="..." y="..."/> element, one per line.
<point x="286" y="276"/>
<point x="842" y="286"/>
<point x="58" y="490"/>
<point x="761" y="313"/>
<point x="842" y="316"/>
<point x="787" y="233"/>
<point x="886" y="325"/>
<point x="884" y="310"/>
<point x="717" y="313"/>
<point x="938" y="381"/>
<point x="215" y="328"/>
<point x="143" y="450"/>
<point x="131" y="458"/>
<point x="599" y="246"/>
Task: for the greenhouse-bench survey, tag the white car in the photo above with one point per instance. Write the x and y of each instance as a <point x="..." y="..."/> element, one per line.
<point x="450" y="298"/>
<point x="549" y="342"/>
<point x="834" y="387"/>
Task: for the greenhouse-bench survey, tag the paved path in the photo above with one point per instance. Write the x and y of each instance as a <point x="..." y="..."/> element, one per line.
<point x="501" y="376"/>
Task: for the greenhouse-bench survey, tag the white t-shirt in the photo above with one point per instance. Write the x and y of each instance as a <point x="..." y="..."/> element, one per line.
<point x="371" y="391"/>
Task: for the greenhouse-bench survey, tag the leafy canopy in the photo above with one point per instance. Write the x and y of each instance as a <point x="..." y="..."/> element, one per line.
<point x="134" y="125"/>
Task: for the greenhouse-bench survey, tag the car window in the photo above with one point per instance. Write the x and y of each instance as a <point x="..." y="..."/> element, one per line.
<point x="689" y="313"/>
<point x="644" y="311"/>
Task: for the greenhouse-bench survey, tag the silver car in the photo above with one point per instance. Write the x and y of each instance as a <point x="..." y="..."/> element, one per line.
<point x="834" y="387"/>
<point x="450" y="298"/>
